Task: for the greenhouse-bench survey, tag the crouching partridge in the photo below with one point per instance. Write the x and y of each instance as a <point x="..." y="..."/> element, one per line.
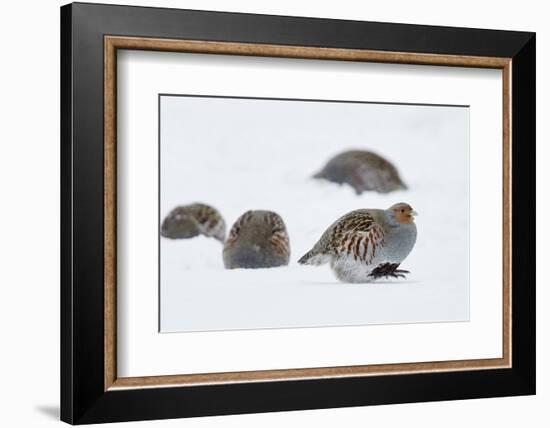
<point x="362" y="170"/>
<point x="366" y="244"/>
<point x="258" y="239"/>
<point x="188" y="221"/>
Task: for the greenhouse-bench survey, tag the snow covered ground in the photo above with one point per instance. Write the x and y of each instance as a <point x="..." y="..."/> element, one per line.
<point x="240" y="154"/>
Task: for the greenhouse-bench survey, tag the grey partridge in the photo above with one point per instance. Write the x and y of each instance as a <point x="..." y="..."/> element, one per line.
<point x="364" y="171"/>
<point x="192" y="220"/>
<point x="258" y="239"/>
<point x="366" y="244"/>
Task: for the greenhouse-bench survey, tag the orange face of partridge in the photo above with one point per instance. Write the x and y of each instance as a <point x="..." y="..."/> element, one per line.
<point x="403" y="213"/>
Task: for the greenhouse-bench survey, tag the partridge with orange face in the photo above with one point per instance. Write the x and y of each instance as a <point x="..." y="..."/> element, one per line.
<point x="366" y="244"/>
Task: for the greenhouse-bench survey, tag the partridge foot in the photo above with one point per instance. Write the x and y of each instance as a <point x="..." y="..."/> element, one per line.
<point x="388" y="270"/>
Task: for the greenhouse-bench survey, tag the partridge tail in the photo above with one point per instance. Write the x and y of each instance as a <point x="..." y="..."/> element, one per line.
<point x="313" y="257"/>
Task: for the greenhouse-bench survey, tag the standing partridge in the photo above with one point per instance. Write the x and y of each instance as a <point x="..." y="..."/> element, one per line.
<point x="258" y="239"/>
<point x="192" y="220"/>
<point x="363" y="171"/>
<point x="366" y="244"/>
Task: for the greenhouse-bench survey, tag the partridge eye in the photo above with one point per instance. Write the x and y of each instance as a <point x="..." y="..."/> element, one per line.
<point x="402" y="211"/>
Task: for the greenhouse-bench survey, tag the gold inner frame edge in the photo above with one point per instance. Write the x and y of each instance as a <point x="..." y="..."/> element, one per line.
<point x="113" y="43"/>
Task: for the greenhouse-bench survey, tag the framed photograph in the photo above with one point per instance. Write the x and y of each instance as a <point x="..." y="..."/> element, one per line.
<point x="265" y="213"/>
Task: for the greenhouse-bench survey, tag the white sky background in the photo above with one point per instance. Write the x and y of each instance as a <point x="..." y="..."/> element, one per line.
<point x="240" y="154"/>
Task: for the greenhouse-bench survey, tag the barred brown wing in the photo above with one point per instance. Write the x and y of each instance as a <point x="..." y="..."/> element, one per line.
<point x="362" y="244"/>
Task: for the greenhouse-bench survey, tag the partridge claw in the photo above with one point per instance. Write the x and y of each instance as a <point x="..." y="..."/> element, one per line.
<point x="388" y="270"/>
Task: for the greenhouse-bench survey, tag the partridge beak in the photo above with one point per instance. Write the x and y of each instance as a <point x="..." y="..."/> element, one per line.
<point x="414" y="213"/>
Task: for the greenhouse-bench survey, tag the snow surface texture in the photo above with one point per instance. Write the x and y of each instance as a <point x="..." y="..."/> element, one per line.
<point x="240" y="154"/>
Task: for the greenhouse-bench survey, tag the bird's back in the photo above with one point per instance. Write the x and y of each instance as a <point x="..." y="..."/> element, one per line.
<point x="364" y="171"/>
<point x="257" y="239"/>
<point x="358" y="220"/>
<point x="341" y="236"/>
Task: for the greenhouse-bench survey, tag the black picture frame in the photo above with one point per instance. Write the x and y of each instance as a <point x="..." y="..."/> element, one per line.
<point x="83" y="396"/>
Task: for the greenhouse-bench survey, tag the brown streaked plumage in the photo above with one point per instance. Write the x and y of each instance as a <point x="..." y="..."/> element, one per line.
<point x="188" y="221"/>
<point x="258" y="239"/>
<point x="364" y="171"/>
<point x="366" y="244"/>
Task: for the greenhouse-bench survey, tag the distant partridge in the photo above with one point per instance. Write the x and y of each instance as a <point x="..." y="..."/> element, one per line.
<point x="366" y="244"/>
<point x="258" y="239"/>
<point x="363" y="171"/>
<point x="192" y="220"/>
